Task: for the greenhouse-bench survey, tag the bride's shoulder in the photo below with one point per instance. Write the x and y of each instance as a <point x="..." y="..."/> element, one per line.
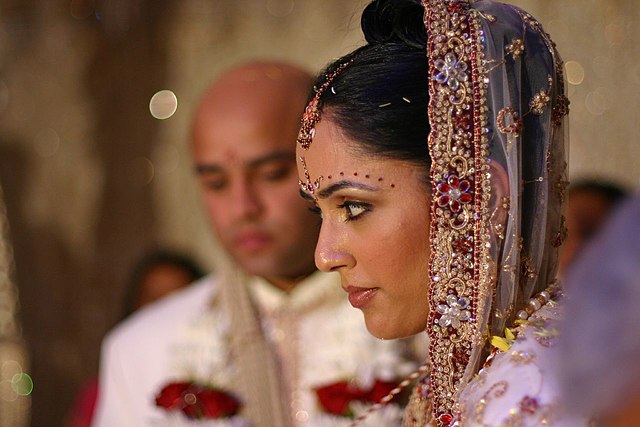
<point x="517" y="386"/>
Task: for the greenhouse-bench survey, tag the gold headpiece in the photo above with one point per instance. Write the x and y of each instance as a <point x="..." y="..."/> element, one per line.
<point x="311" y="115"/>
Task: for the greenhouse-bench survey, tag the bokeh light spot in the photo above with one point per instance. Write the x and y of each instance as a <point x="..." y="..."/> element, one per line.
<point x="6" y="391"/>
<point x="575" y="72"/>
<point x="598" y="102"/>
<point x="144" y="170"/>
<point x="9" y="369"/>
<point x="614" y="33"/>
<point x="302" y="416"/>
<point x="163" y="104"/>
<point x="22" y="384"/>
<point x="280" y="8"/>
<point x="166" y="159"/>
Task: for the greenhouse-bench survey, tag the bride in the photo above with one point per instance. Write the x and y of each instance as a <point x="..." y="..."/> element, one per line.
<point x="435" y="156"/>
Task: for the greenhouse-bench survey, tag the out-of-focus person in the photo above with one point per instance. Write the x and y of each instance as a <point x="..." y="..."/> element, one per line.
<point x="599" y="359"/>
<point x="156" y="275"/>
<point x="590" y="202"/>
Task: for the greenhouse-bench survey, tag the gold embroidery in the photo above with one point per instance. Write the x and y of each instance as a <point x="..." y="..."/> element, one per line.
<point x="526" y="268"/>
<point x="560" y="110"/>
<point x="515" y="48"/>
<point x="498" y="390"/>
<point x="561" y="234"/>
<point x="529" y="409"/>
<point x="546" y="336"/>
<point x="521" y="357"/>
<point x="458" y="140"/>
<point x="540" y="100"/>
<point x="419" y="411"/>
<point x="508" y="121"/>
<point x="562" y="184"/>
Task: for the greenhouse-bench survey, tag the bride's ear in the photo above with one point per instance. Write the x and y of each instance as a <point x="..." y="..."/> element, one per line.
<point x="499" y="193"/>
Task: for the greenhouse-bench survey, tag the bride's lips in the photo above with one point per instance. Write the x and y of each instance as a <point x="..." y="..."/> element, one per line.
<point x="360" y="297"/>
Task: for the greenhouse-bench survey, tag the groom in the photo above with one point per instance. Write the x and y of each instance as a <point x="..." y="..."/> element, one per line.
<point x="267" y="328"/>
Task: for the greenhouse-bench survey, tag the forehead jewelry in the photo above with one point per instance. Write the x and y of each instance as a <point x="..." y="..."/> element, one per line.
<point x="308" y="186"/>
<point x="311" y="114"/>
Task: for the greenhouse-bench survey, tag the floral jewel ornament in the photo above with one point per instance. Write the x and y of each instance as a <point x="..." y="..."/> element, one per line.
<point x="496" y="101"/>
<point x="452" y="71"/>
<point x="197" y="402"/>
<point x="453" y="312"/>
<point x="454" y="193"/>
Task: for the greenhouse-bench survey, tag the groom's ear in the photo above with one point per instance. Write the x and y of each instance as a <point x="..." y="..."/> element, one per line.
<point x="499" y="190"/>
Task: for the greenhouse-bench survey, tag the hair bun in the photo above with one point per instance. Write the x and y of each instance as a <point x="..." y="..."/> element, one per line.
<point x="400" y="21"/>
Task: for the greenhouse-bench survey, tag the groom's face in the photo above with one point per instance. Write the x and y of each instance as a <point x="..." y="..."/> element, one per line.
<point x="245" y="162"/>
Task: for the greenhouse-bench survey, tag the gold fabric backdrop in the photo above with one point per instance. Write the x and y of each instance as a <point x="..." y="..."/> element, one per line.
<point x="91" y="178"/>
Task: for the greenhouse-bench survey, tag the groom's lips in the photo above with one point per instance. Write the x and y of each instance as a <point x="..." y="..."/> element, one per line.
<point x="252" y="241"/>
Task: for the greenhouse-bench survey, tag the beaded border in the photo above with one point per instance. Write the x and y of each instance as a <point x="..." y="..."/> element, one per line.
<point x="458" y="146"/>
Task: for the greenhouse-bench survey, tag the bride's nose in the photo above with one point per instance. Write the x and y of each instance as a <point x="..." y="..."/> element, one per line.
<point x="331" y="250"/>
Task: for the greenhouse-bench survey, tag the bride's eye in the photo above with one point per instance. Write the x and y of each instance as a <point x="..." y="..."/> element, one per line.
<point x="354" y="210"/>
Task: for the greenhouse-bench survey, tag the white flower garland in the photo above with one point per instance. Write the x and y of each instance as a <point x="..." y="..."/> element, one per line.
<point x="340" y="350"/>
<point x="177" y="419"/>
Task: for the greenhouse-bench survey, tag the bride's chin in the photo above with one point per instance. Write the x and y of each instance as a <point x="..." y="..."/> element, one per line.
<point x="384" y="331"/>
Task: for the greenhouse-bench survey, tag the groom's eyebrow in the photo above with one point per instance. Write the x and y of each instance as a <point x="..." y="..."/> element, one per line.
<point x="272" y="157"/>
<point x="341" y="185"/>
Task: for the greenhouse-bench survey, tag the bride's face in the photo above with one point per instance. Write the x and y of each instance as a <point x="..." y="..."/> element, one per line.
<point x="375" y="230"/>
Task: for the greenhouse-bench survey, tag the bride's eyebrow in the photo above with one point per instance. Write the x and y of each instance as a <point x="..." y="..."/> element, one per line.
<point x="341" y="185"/>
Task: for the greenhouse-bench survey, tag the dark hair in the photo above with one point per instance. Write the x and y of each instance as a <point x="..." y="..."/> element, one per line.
<point x="151" y="260"/>
<point x="380" y="99"/>
<point x="611" y="192"/>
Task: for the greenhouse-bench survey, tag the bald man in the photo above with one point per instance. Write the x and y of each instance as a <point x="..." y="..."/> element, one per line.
<point x="267" y="328"/>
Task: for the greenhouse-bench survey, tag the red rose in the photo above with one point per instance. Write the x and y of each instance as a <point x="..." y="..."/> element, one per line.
<point x="335" y="398"/>
<point x="171" y="395"/>
<point x="379" y="390"/>
<point x="196" y="401"/>
<point x="212" y="404"/>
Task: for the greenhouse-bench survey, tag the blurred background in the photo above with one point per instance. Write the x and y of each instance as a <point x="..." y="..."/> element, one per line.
<point x="96" y="98"/>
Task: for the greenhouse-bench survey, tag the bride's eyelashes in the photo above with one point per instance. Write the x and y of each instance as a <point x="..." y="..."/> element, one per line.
<point x="353" y="211"/>
<point x="316" y="210"/>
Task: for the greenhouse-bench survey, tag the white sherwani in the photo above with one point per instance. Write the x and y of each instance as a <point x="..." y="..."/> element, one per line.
<point x="318" y="337"/>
